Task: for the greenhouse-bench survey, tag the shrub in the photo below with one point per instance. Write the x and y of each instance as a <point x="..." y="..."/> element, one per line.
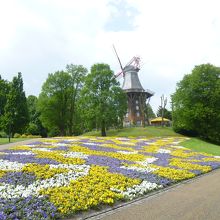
<point x="33" y="136"/>
<point x="3" y="134"/>
<point x="16" y="135"/>
<point x="23" y="136"/>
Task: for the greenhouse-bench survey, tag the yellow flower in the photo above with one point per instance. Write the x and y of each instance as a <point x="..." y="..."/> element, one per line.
<point x="89" y="191"/>
<point x="188" y="166"/>
<point x="171" y="173"/>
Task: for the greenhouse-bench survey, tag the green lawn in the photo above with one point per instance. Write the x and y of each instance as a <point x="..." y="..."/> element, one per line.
<point x="149" y="132"/>
<point x="202" y="146"/>
<point x="5" y="140"/>
<point x="138" y="131"/>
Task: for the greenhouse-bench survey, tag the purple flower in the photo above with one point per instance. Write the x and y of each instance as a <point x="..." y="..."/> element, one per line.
<point x="64" y="148"/>
<point x="18" y="178"/>
<point x="28" y="208"/>
<point x="100" y="148"/>
<point x="27" y="159"/>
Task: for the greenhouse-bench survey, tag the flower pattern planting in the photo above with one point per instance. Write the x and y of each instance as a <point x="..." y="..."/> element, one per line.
<point x="59" y="177"/>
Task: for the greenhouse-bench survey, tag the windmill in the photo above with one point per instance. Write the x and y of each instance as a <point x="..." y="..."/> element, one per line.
<point x="136" y="95"/>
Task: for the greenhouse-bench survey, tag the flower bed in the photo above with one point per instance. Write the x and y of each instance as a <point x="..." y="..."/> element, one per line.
<point x="62" y="176"/>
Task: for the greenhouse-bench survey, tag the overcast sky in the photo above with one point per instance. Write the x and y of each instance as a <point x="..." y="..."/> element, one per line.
<point x="38" y="37"/>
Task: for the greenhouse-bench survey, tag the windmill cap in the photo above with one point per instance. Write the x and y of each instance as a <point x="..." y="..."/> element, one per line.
<point x="131" y="80"/>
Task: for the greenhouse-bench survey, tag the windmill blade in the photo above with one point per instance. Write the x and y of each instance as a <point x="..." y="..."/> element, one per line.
<point x="135" y="61"/>
<point x="118" y="59"/>
<point x="118" y="75"/>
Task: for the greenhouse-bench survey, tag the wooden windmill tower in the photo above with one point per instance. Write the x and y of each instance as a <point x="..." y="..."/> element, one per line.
<point x="136" y="95"/>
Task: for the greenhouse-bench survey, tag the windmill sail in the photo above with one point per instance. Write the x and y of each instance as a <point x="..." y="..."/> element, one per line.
<point x="122" y="70"/>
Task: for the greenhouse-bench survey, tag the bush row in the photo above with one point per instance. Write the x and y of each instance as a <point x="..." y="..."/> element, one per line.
<point x="16" y="135"/>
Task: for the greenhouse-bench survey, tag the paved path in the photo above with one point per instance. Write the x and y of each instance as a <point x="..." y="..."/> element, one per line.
<point x="198" y="199"/>
<point x="6" y="146"/>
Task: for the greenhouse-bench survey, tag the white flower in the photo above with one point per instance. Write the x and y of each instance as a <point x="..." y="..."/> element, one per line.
<point x="164" y="151"/>
<point x="8" y="165"/>
<point x="140" y="169"/>
<point x="91" y="143"/>
<point x="127" y="143"/>
<point x="42" y="149"/>
<point x="179" y="147"/>
<point x="147" y="161"/>
<point x="176" y="142"/>
<point x="216" y="156"/>
<point x="138" y="190"/>
<point x="60" y="144"/>
<point x="22" y="153"/>
<point x="76" y="155"/>
<point x="127" y="152"/>
<point x="122" y="139"/>
<point x="63" y="179"/>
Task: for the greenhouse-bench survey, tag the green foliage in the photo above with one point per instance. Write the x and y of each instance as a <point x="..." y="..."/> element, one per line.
<point x="16" y="111"/>
<point x="196" y="103"/>
<point x="167" y="113"/>
<point x="4" y="88"/>
<point x="58" y="100"/>
<point x="3" y="134"/>
<point x="16" y="135"/>
<point x="149" y="111"/>
<point x="103" y="102"/>
<point x="32" y="129"/>
<point x="77" y="73"/>
<point x="53" y="101"/>
<point x="35" y="126"/>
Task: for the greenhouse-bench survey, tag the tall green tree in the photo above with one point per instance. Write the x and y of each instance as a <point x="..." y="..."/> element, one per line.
<point x="149" y="113"/>
<point x="58" y="101"/>
<point x="196" y="103"/>
<point x="53" y="102"/>
<point x="4" y="88"/>
<point x="35" y="126"/>
<point x="77" y="73"/>
<point x="103" y="101"/>
<point x="16" y="112"/>
<point x="166" y="113"/>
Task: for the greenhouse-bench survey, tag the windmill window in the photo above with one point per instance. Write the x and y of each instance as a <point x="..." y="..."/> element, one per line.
<point x="127" y="114"/>
<point x="137" y="107"/>
<point x="136" y="101"/>
<point x="138" y="114"/>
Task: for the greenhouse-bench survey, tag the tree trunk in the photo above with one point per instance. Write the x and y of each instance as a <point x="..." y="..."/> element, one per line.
<point x="103" y="128"/>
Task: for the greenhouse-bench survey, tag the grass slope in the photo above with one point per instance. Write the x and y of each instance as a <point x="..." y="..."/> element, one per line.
<point x="138" y="131"/>
<point x="201" y="146"/>
<point x="150" y="132"/>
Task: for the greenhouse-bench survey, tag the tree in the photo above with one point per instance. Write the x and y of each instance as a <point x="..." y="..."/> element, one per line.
<point x="16" y="111"/>
<point x="53" y="102"/>
<point x="4" y="88"/>
<point x="77" y="73"/>
<point x="103" y="100"/>
<point x="166" y="113"/>
<point x="58" y="100"/>
<point x="196" y="103"/>
<point x="149" y="112"/>
<point x="35" y="126"/>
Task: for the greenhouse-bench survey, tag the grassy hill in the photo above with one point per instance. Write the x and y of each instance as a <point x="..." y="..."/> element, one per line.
<point x="138" y="131"/>
<point x="150" y="132"/>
